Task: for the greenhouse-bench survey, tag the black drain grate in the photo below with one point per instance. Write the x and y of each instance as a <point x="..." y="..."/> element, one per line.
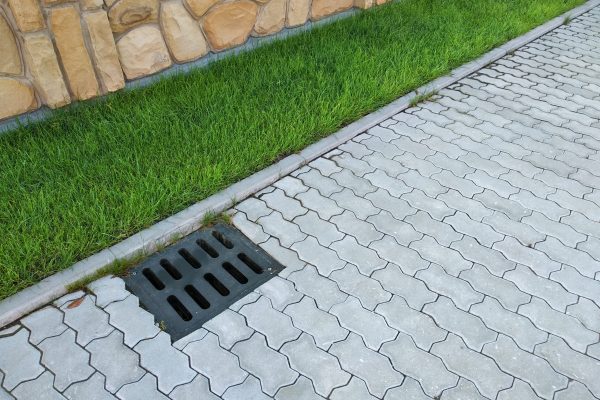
<point x="198" y="277"/>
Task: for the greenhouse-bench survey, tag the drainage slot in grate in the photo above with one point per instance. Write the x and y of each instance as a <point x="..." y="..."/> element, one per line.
<point x="200" y="276"/>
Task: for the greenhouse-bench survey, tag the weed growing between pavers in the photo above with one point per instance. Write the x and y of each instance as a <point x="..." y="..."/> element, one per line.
<point x="94" y="174"/>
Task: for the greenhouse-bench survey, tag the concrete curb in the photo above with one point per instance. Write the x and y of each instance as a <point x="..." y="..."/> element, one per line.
<point x="190" y="219"/>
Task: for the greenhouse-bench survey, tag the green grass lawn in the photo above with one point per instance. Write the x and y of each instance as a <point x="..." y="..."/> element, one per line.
<point x="94" y="174"/>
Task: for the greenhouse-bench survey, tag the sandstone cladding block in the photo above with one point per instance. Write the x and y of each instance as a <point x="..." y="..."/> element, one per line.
<point x="143" y="52"/>
<point x="182" y="33"/>
<point x="229" y="24"/>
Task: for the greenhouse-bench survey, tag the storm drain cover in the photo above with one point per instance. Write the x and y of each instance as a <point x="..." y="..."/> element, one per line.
<point x="200" y="276"/>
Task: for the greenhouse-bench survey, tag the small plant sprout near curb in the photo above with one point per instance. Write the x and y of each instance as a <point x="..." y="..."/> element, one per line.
<point x="567" y="20"/>
<point x="420" y="98"/>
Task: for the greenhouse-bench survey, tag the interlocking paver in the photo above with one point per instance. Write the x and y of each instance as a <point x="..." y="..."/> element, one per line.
<point x="402" y="232"/>
<point x="321" y="367"/>
<point x="519" y="390"/>
<point x="39" y="388"/>
<point x="364" y="258"/>
<point x="302" y="389"/>
<point x="418" y="325"/>
<point x="482" y="232"/>
<point x="443" y="233"/>
<point x="526" y="366"/>
<point x="43" y="324"/>
<point x="143" y="389"/>
<point x="449" y="259"/>
<point x="258" y="359"/>
<point x="502" y="290"/>
<point x="249" y="390"/>
<point x="384" y="201"/>
<point x="479" y="369"/>
<point x="534" y="259"/>
<point x="136" y="324"/>
<point x="368" y="291"/>
<point x="587" y="312"/>
<point x="382" y="180"/>
<point x="325" y="291"/>
<point x="252" y="230"/>
<point x="288" y="233"/>
<point x="469" y="327"/>
<point x="198" y="388"/>
<point x="220" y="366"/>
<point x="461" y="293"/>
<point x="355" y="390"/>
<point x="360" y="186"/>
<point x="474" y="209"/>
<point x="325" y="232"/>
<point x="395" y="281"/>
<point x="230" y="327"/>
<point x="86" y="319"/>
<point x="20" y="361"/>
<point x="363" y="232"/>
<point x="274" y="325"/>
<point x="281" y="292"/>
<point x="511" y="208"/>
<point x="93" y="388"/>
<point x="108" y="290"/>
<point x="582" y="261"/>
<point x="427" y="369"/>
<point x="373" y="368"/>
<point x="324" y="185"/>
<point x="325" y="259"/>
<point x="575" y="391"/>
<point x="114" y="360"/>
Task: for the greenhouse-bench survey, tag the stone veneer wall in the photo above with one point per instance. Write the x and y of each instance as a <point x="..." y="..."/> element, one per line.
<point x="53" y="52"/>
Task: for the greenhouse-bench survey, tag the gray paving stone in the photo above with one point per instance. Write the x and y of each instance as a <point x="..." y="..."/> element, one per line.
<point x="387" y="165"/>
<point x="422" y="167"/>
<point x="230" y="327"/>
<point x="502" y="290"/>
<point x="421" y="327"/>
<point x="373" y="368"/>
<point x="302" y="389"/>
<point x="368" y="291"/>
<point x="457" y="167"/>
<point x="474" y="209"/>
<point x="326" y="167"/>
<point x="469" y="327"/>
<point x="410" y="390"/>
<point x="534" y="259"/>
<point x="324" y="185"/>
<point x="114" y="360"/>
<point x="549" y="208"/>
<point x="66" y="370"/>
<point x="347" y="162"/>
<point x="492" y="259"/>
<point x="280" y="291"/>
<point x="447" y="258"/>
<point x="511" y="208"/>
<point x="93" y="388"/>
<point x="249" y="298"/>
<point x="522" y="232"/>
<point x="326" y="207"/>
<point x="360" y="186"/>
<point x="461" y="293"/>
<point x="291" y="186"/>
<point x="566" y="200"/>
<point x="143" y="389"/>
<point x="441" y="232"/>
<point x="559" y="324"/>
<point x="43" y="324"/>
<point x="20" y="361"/>
<point x="398" y="208"/>
<point x="395" y="281"/>
<point x="89" y="321"/>
<point x="479" y="369"/>
<point x="587" y="312"/>
<point x="582" y="224"/>
<point x="325" y="259"/>
<point x="408" y="259"/>
<point x="363" y="232"/>
<point x="198" y="388"/>
<point x="285" y="256"/>
<point x="108" y="290"/>
<point x="482" y="232"/>
<point x="325" y="291"/>
<point x="571" y="363"/>
<point x="364" y="258"/>
<point x="526" y="366"/>
<point x="319" y="366"/>
<point x="129" y="318"/>
<point x="325" y="232"/>
<point x="254" y="208"/>
<point x="382" y="180"/>
<point x="427" y="185"/>
<point x="561" y="231"/>
<point x="427" y="369"/>
<point x="370" y="326"/>
<point x="220" y="367"/>
<point x="402" y="232"/>
<point x="582" y="261"/>
<point x="252" y="230"/>
<point x="355" y="390"/>
<point x="249" y="390"/>
<point x="170" y="366"/>
<point x="288" y="233"/>
<point x="575" y="391"/>
<point x="519" y="390"/>
<point x="437" y="209"/>
<point x="274" y="325"/>
<point x="258" y="359"/>
<point x="39" y="388"/>
<point x="323" y="327"/>
<point x="465" y="390"/>
<point x="519" y="328"/>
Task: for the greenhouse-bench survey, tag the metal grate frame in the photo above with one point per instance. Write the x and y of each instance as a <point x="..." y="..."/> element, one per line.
<point x="198" y="277"/>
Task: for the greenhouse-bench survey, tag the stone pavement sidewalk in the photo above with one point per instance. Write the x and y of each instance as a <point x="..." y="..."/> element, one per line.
<point x="453" y="252"/>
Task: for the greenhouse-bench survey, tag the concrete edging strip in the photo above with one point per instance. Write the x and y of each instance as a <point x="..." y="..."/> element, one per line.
<point x="190" y="219"/>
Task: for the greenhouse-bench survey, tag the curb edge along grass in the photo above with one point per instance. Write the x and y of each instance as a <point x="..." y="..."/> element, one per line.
<point x="186" y="221"/>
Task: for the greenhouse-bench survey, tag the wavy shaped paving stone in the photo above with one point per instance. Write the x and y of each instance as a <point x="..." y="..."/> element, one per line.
<point x="449" y="259"/>
<point x="274" y="325"/>
<point x="326" y="207"/>
<point x="302" y="389"/>
<point x="89" y="321"/>
<point x="364" y="258"/>
<point x="287" y="232"/>
<point x="463" y="186"/>
<point x="258" y="359"/>
<point x="324" y="231"/>
<point x="408" y="259"/>
<point x="461" y="293"/>
<point x="474" y="209"/>
<point x="361" y="207"/>
<point x="492" y="201"/>
<point x="39" y="388"/>
<point x="575" y="391"/>
<point x="218" y="365"/>
<point x="506" y="292"/>
<point x="355" y="390"/>
<point x="583" y="262"/>
<point x="285" y="256"/>
<point x="378" y="144"/>
<point x="198" y="388"/>
<point x="382" y="180"/>
<point x="280" y="291"/>
<point x="410" y="390"/>
<point x="370" y="326"/>
<point x="66" y="370"/>
<point x="483" y="233"/>
<point x="548" y="290"/>
<point x="519" y="328"/>
<point x="436" y="208"/>
<point x="519" y="390"/>
<point x="479" y="369"/>
<point x="469" y="327"/>
<point x="369" y="291"/>
<point x="397" y="282"/>
<point x="117" y="362"/>
<point x="526" y="366"/>
<point x="423" y="167"/>
<point x="249" y="390"/>
<point x="288" y="207"/>
<point x="360" y="186"/>
<point x="93" y="388"/>
<point x="535" y="259"/>
<point x="373" y="368"/>
<point x="325" y="259"/>
<point x="253" y="231"/>
<point x="135" y="323"/>
<point x="230" y="327"/>
<point x="20" y="361"/>
<point x="465" y="390"/>
<point x="559" y="324"/>
<point x="43" y="324"/>
<point x="322" y="368"/>
<point x="402" y="232"/>
<point x="348" y="162"/>
<point x="324" y="185"/>
<point x="440" y="231"/>
<point x="145" y="388"/>
<point x="291" y="186"/>
<point x="108" y="290"/>
<point x="254" y="208"/>
<point x="587" y="312"/>
<point x="426" y="368"/>
<point x="323" y="327"/>
<point x="363" y="232"/>
<point x="323" y="290"/>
